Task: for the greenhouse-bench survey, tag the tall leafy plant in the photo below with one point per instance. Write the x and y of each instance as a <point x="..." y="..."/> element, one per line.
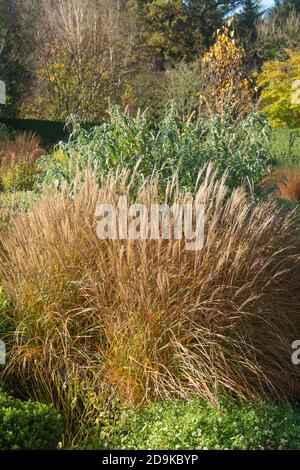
<point x="168" y="147"/>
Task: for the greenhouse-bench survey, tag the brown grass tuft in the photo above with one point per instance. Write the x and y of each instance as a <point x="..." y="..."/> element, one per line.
<point x="18" y="160"/>
<point x="287" y="183"/>
<point x="147" y="318"/>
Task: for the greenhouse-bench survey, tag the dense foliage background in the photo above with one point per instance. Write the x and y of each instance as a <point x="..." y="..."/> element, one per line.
<point x="71" y="56"/>
<point x="138" y="344"/>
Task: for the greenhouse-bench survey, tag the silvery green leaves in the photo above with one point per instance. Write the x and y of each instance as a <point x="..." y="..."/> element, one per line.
<point x="168" y="147"/>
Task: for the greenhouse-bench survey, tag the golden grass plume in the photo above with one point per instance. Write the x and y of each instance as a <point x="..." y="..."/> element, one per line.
<point x="143" y="319"/>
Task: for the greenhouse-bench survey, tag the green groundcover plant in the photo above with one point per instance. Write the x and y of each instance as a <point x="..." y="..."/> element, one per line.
<point x="195" y="424"/>
<point x="28" y="425"/>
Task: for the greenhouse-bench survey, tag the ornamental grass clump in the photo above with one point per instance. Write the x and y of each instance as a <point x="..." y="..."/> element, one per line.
<point x="286" y="181"/>
<point x="141" y="319"/>
<point x="18" y="161"/>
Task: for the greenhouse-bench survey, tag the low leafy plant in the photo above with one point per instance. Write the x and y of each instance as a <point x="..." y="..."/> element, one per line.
<point x="196" y="425"/>
<point x="28" y="425"/>
<point x="167" y="147"/>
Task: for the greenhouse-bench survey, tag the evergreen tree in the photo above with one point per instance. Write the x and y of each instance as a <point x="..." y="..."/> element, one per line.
<point x="181" y="29"/>
<point x="284" y="7"/>
<point x="246" y="20"/>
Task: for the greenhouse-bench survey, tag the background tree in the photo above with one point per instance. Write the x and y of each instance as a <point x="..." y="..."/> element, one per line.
<point x="177" y="29"/>
<point x="181" y="86"/>
<point x="16" y="46"/>
<point x="88" y="49"/>
<point x="280" y="96"/>
<point x="284" y="7"/>
<point x="248" y="18"/>
<point x="275" y="34"/>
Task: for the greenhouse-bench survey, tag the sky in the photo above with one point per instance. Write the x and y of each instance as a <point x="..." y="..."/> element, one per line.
<point x="267" y="3"/>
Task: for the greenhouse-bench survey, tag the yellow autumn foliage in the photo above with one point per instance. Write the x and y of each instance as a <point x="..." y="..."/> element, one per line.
<point x="226" y="85"/>
<point x="280" y="96"/>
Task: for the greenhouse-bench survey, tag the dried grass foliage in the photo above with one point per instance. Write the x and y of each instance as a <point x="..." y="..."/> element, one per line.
<point x="144" y="319"/>
<point x="25" y="149"/>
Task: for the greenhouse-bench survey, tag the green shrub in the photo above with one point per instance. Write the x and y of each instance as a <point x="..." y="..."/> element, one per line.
<point x="17" y="178"/>
<point x="169" y="146"/>
<point x="197" y="425"/>
<point x="181" y="85"/>
<point x="28" y="425"/>
<point x="285" y="146"/>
